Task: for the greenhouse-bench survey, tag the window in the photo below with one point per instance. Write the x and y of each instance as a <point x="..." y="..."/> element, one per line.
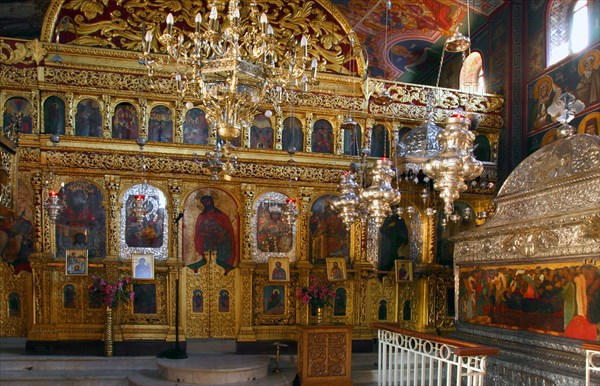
<point x="471" y="74"/>
<point x="568" y="29"/>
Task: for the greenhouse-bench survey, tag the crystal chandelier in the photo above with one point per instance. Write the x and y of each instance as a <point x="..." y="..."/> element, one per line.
<point x="230" y="64"/>
<point x="455" y="163"/>
<point x="219" y="162"/>
<point x="55" y="202"/>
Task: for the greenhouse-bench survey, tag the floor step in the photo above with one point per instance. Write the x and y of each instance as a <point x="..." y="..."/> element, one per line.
<point x="211" y="369"/>
<point x="76" y="363"/>
<point x="149" y="378"/>
<point x="63" y="378"/>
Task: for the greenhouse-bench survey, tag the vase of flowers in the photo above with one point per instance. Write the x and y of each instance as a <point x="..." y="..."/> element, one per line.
<point x="318" y="295"/>
<point x="109" y="295"/>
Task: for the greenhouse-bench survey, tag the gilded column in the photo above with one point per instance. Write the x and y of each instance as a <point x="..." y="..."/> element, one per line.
<point x="36" y="184"/>
<point x="302" y="250"/>
<point x="113" y="186"/>
<point x="244" y="293"/>
<point x="42" y="297"/>
<point x="338" y="135"/>
<point x="429" y="239"/>
<point x="302" y="310"/>
<point x="70" y="114"/>
<point x="246" y="269"/>
<point x="249" y="191"/>
<point x="310" y="120"/>
<point x="175" y="205"/>
<point x="144" y="118"/>
<point x="302" y="222"/>
<point x="107" y="115"/>
<point x="179" y="118"/>
<point x="35" y="115"/>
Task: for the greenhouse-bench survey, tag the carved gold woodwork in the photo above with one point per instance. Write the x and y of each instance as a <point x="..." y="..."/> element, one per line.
<point x="114" y="76"/>
<point x="213" y="321"/>
<point x="16" y="317"/>
<point x="260" y="317"/>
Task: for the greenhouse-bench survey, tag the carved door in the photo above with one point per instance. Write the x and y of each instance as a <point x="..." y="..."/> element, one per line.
<point x="210" y="301"/>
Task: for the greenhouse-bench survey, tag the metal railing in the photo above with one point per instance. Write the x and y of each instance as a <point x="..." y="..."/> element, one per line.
<point x="412" y="358"/>
<point x="592" y="360"/>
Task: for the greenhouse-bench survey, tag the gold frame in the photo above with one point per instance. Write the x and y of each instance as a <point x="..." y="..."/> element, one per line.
<point x="72" y="268"/>
<point x="136" y="260"/>
<point x="408" y="277"/>
<point x="331" y="263"/>
<point x="285" y="265"/>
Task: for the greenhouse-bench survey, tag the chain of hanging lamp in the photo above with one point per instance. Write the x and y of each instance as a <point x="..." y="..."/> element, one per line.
<point x="55" y="202"/>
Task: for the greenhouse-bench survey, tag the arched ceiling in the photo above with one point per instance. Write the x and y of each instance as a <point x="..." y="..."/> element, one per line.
<point x="408" y="51"/>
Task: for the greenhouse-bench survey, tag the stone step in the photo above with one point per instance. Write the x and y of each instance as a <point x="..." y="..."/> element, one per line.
<point x="211" y="369"/>
<point x="63" y="378"/>
<point x="150" y="378"/>
<point x="76" y="363"/>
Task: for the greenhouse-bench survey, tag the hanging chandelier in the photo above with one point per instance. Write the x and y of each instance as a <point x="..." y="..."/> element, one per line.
<point x="373" y="201"/>
<point x="290" y="211"/>
<point x="455" y="163"/>
<point x="220" y="162"/>
<point x="230" y="64"/>
<point x="139" y="200"/>
<point x="55" y="202"/>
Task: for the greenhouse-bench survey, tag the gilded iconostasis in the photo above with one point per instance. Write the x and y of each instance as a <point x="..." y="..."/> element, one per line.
<point x="226" y="239"/>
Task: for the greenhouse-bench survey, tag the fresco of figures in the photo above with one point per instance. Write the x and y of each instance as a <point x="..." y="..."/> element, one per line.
<point x="559" y="299"/>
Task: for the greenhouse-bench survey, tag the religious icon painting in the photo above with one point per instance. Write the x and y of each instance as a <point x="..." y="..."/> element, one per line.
<point x="279" y="269"/>
<point x="142" y="266"/>
<point x="274" y="300"/>
<point x="198" y="301"/>
<point x="336" y="268"/>
<point x="145" y="298"/>
<point x="404" y="271"/>
<point x="76" y="262"/>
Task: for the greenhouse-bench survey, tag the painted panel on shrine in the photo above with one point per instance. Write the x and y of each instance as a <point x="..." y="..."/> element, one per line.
<point x="272" y="236"/>
<point x="211" y="223"/>
<point x="558" y="299"/>
<point x="82" y="224"/>
<point x="148" y="234"/>
<point x="328" y="235"/>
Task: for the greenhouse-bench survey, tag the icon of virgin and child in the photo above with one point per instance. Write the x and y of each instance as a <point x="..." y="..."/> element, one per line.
<point x="214" y="232"/>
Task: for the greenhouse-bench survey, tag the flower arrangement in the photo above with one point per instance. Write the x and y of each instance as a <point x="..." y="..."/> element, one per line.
<point x="319" y="292"/>
<point x="110" y="294"/>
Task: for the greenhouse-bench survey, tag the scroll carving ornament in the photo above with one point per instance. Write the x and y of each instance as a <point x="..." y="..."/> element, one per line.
<point x="572" y="237"/>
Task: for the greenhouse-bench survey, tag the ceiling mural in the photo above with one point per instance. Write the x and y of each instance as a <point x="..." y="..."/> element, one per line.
<point x="407" y="43"/>
<point x="403" y="44"/>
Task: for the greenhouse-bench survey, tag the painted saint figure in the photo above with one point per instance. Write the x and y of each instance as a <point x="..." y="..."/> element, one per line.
<point x="279" y="272"/>
<point x="214" y="232"/>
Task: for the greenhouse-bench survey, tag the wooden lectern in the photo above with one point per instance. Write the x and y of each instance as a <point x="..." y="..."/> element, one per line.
<point x="325" y="355"/>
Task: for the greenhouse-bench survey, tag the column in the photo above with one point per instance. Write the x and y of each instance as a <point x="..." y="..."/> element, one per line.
<point x="246" y="268"/>
<point x="113" y="187"/>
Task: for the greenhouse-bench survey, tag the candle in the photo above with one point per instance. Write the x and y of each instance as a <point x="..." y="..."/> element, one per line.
<point x="170" y="23"/>
<point x="198" y="20"/>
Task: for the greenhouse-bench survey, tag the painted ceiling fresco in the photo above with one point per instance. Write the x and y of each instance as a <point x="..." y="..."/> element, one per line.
<point x="404" y="44"/>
